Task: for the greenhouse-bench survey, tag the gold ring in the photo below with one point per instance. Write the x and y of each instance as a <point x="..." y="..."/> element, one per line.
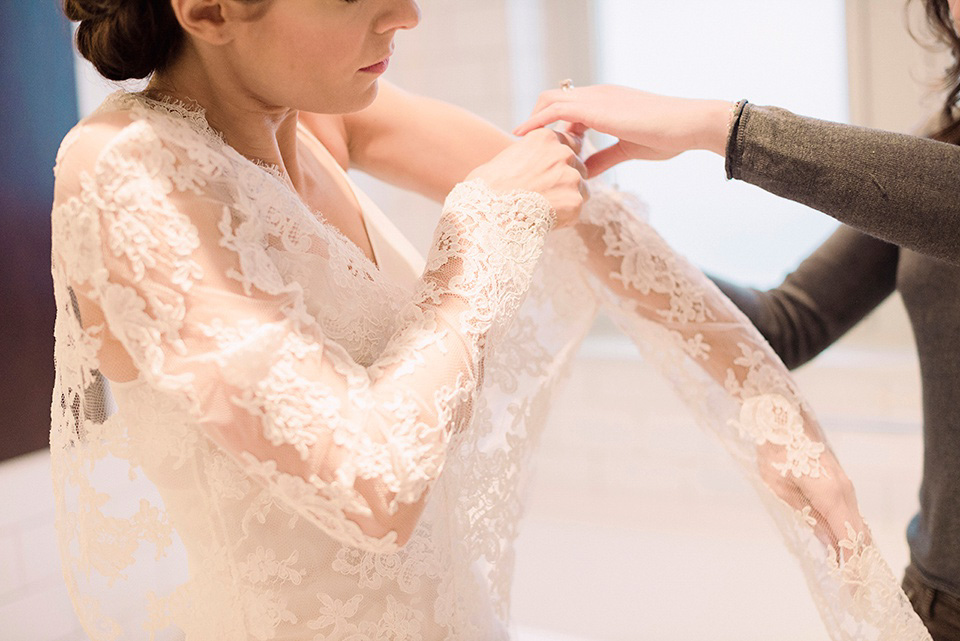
<point x="566" y="85"/>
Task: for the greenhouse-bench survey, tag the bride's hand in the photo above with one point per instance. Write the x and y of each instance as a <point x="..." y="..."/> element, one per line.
<point x="649" y="126"/>
<point x="545" y="162"/>
<point x="828" y="502"/>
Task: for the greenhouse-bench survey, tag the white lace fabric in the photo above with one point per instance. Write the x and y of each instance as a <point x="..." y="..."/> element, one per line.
<point x="302" y="449"/>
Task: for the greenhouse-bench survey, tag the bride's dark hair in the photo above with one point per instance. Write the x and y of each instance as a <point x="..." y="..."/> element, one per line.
<point x="126" y="39"/>
<point x="941" y="23"/>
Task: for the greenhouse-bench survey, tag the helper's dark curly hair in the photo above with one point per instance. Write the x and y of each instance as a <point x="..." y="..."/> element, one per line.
<point x="941" y="24"/>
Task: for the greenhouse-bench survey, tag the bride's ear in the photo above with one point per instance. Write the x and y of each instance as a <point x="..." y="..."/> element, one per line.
<point x="208" y="20"/>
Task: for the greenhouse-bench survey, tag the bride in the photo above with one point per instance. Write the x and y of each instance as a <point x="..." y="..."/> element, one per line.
<point x="313" y="432"/>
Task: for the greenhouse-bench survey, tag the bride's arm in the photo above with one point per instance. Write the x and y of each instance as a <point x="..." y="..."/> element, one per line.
<point x="418" y="143"/>
<point x="172" y="252"/>
<point x="734" y="384"/>
<point x="425" y="145"/>
<point x="719" y="363"/>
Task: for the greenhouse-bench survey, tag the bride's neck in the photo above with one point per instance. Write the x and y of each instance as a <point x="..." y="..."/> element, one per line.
<point x="261" y="132"/>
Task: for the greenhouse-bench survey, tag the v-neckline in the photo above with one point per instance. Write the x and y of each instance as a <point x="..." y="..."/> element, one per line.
<point x="196" y="116"/>
<point x="375" y="261"/>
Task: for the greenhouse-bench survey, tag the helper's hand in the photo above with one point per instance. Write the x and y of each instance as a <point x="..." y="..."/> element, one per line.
<point x="545" y="162"/>
<point x="649" y="126"/>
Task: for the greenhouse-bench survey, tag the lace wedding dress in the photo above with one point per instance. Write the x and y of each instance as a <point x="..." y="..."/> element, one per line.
<point x="258" y="433"/>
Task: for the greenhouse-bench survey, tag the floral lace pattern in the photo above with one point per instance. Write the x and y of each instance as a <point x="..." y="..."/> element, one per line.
<point x="737" y="387"/>
<point x="300" y="449"/>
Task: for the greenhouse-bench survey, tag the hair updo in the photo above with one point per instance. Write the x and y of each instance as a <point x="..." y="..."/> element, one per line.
<point x="126" y="39"/>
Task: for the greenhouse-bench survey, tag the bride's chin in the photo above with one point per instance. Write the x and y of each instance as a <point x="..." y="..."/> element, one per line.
<point x="344" y="103"/>
<point x="366" y="99"/>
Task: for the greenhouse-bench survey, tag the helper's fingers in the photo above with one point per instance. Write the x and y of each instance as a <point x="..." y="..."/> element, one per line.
<point x="550" y="114"/>
<point x="547" y="98"/>
<point x="606" y="158"/>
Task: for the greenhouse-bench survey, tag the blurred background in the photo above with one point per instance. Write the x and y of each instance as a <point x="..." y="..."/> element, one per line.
<point x="638" y="525"/>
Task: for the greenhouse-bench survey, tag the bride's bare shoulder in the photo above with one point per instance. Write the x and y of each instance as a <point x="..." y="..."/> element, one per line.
<point x="84" y="143"/>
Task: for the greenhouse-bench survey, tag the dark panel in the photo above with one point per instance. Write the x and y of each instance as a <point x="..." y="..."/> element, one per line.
<point x="38" y="105"/>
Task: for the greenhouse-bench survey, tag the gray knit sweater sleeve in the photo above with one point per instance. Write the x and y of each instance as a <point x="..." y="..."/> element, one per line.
<point x="845" y="279"/>
<point x="899" y="188"/>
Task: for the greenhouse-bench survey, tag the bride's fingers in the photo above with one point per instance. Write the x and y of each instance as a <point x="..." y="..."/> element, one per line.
<point x="574" y="143"/>
<point x="576" y="129"/>
<point x="579" y="165"/>
<point x="571" y="139"/>
<point x="587" y="148"/>
<point x="606" y="158"/>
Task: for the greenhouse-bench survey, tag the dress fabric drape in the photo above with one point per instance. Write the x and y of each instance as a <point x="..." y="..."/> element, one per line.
<point x="257" y="433"/>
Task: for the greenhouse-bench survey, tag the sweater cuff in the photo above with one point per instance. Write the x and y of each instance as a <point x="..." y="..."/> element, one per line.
<point x="734" y="150"/>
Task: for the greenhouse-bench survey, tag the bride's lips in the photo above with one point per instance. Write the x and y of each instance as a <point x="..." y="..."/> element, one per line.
<point x="380" y="67"/>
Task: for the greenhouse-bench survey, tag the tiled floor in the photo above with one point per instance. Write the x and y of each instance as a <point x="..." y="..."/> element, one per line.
<point x="638" y="526"/>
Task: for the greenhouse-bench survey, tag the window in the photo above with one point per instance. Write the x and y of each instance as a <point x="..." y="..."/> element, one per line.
<point x="789" y="54"/>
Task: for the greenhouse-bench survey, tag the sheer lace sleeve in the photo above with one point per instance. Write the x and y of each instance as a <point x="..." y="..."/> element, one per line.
<point x="168" y="259"/>
<point x="728" y="375"/>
